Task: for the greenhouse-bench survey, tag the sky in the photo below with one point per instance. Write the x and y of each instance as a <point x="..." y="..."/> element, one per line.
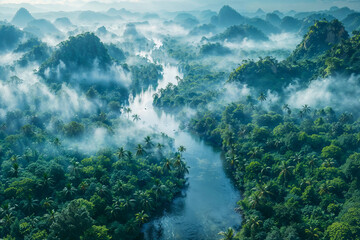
<point x="173" y="5"/>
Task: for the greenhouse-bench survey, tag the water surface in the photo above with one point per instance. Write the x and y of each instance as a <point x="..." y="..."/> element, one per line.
<point x="208" y="204"/>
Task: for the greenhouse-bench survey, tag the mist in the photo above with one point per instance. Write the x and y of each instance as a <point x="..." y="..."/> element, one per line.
<point x="142" y="117"/>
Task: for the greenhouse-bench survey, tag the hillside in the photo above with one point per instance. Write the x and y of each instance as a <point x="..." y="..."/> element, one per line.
<point x="9" y="37"/>
<point x="329" y="53"/>
<point x="227" y="16"/>
<point x="352" y="22"/>
<point x="321" y="36"/>
<point x="80" y="52"/>
<point x="240" y="32"/>
<point x="22" y="18"/>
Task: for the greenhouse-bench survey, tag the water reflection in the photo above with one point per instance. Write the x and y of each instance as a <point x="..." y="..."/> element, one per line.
<point x="207" y="206"/>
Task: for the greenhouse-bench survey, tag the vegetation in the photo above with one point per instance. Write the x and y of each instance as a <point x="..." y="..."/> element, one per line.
<point x="9" y="37"/>
<point x="239" y="33"/>
<point x="296" y="168"/>
<point x="50" y="192"/>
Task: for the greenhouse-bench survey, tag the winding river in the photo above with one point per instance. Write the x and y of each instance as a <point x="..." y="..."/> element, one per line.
<point x="208" y="204"/>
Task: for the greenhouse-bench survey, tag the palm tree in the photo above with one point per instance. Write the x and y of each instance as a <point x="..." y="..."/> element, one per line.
<point x="68" y="190"/>
<point x="57" y="142"/>
<point x="232" y="159"/>
<point x="228" y="235"/>
<point x="129" y="156"/>
<point x="263" y="191"/>
<point x="158" y="189"/>
<point x="83" y="186"/>
<point x="297" y="158"/>
<point x="121" y="152"/>
<point x="228" y="138"/>
<point x="325" y="188"/>
<point x="180" y="165"/>
<point x="262" y="97"/>
<point x="14" y="171"/>
<point x="256" y="152"/>
<point x="7" y="220"/>
<point x="285" y="172"/>
<point x="167" y="165"/>
<point x="304" y="182"/>
<point x="140" y="150"/>
<point x="141" y="217"/>
<point x="148" y="142"/>
<point x="127" y="203"/>
<point x="15" y="158"/>
<point x="146" y="202"/>
<point x="102" y="190"/>
<point x="301" y="114"/>
<point x="329" y="162"/>
<point x="313" y="233"/>
<point x="47" y="202"/>
<point x="255" y="200"/>
<point x="160" y="146"/>
<point x="286" y="108"/>
<point x="312" y="163"/>
<point x="136" y="117"/>
<point x="127" y="110"/>
<point x="178" y="79"/>
<point x="181" y="149"/>
<point x="115" y="209"/>
<point x="254" y="223"/>
<point x="75" y="168"/>
<point x="46" y="180"/>
<point x="306" y="109"/>
<point x="30" y="204"/>
<point x="6" y="208"/>
<point x="50" y="216"/>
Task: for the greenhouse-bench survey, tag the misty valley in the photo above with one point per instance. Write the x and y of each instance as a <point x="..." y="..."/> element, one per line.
<point x="190" y="124"/>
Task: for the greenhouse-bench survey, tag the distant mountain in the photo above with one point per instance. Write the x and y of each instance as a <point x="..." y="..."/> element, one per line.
<point x="116" y="53"/>
<point x="10" y="36"/>
<point x="77" y="53"/>
<point x="320" y="38"/>
<point x="260" y="12"/>
<point x="38" y="54"/>
<point x="119" y="13"/>
<point x="273" y="18"/>
<point x="264" y="26"/>
<point x="186" y="20"/>
<point x="280" y="14"/>
<point x="203" y="30"/>
<point x="290" y="24"/>
<point x="22" y="18"/>
<point x="352" y="22"/>
<point x="205" y="16"/>
<point x="214" y="49"/>
<point x="311" y="19"/>
<point x="28" y="45"/>
<point x="91" y="16"/>
<point x="63" y="22"/>
<point x="132" y="35"/>
<point x="41" y="28"/>
<point x="228" y="17"/>
<point x="340" y="13"/>
<point x="103" y="32"/>
<point x="240" y="32"/>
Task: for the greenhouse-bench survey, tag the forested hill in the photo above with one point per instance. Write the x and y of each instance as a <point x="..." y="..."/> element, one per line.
<point x="325" y="50"/>
<point x="79" y="52"/>
<point x="297" y="166"/>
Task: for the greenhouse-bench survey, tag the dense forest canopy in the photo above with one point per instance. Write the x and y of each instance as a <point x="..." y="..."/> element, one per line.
<point x="94" y="104"/>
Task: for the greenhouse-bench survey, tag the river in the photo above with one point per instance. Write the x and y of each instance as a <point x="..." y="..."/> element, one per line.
<point x="208" y="204"/>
